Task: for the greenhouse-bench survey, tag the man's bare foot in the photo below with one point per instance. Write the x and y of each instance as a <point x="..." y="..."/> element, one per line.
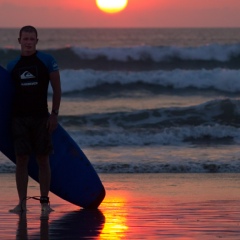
<point x="18" y="209"/>
<point x="46" y="208"/>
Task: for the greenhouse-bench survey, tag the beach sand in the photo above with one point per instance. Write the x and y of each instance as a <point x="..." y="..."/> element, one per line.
<point x="137" y="206"/>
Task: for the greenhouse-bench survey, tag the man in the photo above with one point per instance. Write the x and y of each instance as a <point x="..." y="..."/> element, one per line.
<point x="31" y="124"/>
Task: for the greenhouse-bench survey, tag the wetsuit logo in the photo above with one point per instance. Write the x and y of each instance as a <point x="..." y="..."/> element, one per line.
<point x="28" y="79"/>
<point x="27" y="75"/>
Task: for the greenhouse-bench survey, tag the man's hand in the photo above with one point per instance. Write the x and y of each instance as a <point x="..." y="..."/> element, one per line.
<point x="52" y="122"/>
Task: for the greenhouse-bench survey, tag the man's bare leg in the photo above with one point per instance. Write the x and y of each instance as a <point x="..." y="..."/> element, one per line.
<point x="44" y="179"/>
<point x="21" y="182"/>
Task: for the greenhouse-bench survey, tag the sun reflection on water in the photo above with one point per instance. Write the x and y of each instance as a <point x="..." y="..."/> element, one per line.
<point x="115" y="213"/>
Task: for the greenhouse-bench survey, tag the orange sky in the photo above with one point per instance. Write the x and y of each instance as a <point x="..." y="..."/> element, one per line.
<point x="139" y="13"/>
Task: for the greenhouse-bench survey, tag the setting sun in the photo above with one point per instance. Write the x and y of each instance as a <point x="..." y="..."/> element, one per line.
<point x="110" y="6"/>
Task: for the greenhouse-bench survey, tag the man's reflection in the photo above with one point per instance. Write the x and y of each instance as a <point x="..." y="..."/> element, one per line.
<point x="22" y="232"/>
<point x="75" y="225"/>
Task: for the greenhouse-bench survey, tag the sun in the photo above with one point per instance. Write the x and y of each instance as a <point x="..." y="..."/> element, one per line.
<point x="111" y="6"/>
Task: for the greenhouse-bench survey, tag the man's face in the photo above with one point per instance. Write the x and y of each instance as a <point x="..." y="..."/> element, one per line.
<point x="28" y="41"/>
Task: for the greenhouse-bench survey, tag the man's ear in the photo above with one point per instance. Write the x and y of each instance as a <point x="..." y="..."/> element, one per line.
<point x="19" y="40"/>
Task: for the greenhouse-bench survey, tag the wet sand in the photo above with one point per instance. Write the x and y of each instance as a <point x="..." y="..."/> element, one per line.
<point x="137" y="206"/>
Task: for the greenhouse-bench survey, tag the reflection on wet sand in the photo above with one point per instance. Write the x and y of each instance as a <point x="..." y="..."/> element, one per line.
<point x="22" y="232"/>
<point x="78" y="225"/>
<point x="74" y="225"/>
<point x="115" y="213"/>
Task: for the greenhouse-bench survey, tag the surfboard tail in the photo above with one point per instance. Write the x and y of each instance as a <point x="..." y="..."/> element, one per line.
<point x="95" y="204"/>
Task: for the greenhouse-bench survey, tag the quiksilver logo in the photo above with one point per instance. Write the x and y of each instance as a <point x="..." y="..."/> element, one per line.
<point x="27" y="75"/>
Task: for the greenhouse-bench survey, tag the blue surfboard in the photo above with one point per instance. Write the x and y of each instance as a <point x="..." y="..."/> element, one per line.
<point x="73" y="178"/>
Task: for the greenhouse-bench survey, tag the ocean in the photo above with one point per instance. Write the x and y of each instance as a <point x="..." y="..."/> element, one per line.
<point x="146" y="100"/>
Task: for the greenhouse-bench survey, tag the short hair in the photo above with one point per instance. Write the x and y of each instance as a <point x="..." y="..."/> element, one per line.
<point x="28" y="29"/>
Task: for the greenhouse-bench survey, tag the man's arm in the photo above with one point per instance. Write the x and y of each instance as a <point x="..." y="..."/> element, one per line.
<point x="56" y="86"/>
<point x="56" y="99"/>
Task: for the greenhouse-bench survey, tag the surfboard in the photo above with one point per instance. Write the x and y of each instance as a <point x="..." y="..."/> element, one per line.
<point x="73" y="177"/>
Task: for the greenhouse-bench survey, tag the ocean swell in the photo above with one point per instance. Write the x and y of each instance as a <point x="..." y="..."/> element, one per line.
<point x="138" y="58"/>
<point x="213" y="122"/>
<point x="224" y="80"/>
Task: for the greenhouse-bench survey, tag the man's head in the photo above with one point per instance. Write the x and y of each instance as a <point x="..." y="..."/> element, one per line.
<point x="28" y="40"/>
<point x="28" y="29"/>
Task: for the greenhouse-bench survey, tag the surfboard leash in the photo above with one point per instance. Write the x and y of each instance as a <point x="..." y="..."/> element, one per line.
<point x="42" y="199"/>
